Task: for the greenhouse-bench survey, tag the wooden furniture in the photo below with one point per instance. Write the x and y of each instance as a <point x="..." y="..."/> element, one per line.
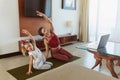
<point x="32" y="24"/>
<point x="109" y="61"/>
<point x="64" y="39"/>
<point x="110" y="53"/>
<point x="40" y="44"/>
<point x="67" y="39"/>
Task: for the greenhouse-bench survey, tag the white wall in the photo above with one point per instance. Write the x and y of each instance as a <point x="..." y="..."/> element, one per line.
<point x="9" y="28"/>
<point x="60" y="16"/>
<point x="9" y="23"/>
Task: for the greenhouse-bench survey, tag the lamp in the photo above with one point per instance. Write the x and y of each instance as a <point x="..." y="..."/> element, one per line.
<point x="69" y="23"/>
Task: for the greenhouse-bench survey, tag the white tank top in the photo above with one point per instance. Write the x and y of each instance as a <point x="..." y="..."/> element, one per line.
<point x="38" y="56"/>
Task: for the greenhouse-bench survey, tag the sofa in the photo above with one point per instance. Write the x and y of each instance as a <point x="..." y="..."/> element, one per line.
<point x="72" y="71"/>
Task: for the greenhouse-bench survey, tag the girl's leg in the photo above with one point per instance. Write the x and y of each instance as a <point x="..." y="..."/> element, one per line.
<point x="65" y="52"/>
<point x="50" y="63"/>
<point x="45" y="66"/>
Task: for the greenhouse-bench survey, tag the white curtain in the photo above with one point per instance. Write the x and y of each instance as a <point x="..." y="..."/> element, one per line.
<point x="115" y="36"/>
<point x="104" y="18"/>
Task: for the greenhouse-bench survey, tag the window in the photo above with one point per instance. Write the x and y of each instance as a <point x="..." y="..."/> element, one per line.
<point x="102" y="18"/>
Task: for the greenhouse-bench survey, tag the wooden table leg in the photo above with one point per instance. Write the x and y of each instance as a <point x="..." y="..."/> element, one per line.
<point x="97" y="62"/>
<point x="109" y="61"/>
<point x="118" y="62"/>
<point x="110" y="66"/>
<point x="97" y="58"/>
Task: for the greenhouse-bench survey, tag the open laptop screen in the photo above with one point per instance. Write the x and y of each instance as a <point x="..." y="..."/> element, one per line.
<point x="103" y="41"/>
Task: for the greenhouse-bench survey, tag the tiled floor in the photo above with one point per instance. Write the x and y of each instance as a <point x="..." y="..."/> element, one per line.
<point x="86" y="60"/>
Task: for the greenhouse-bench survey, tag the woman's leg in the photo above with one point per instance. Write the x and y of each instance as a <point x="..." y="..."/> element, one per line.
<point x="61" y="57"/>
<point x="65" y="52"/>
<point x="56" y="54"/>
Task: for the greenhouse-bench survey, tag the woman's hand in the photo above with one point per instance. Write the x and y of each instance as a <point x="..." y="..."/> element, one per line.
<point x="39" y="13"/>
<point x="29" y="72"/>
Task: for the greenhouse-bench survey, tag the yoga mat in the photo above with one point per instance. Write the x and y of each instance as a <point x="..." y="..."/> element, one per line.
<point x="20" y="72"/>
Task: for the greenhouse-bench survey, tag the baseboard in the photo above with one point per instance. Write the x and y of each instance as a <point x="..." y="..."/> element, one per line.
<point x="10" y="54"/>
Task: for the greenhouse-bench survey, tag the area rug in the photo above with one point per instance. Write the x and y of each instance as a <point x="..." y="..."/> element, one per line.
<point x="20" y="72"/>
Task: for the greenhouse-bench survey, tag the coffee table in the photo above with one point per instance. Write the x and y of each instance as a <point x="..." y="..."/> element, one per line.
<point x="110" y="53"/>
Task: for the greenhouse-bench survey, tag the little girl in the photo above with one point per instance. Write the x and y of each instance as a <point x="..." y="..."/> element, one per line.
<point x="36" y="57"/>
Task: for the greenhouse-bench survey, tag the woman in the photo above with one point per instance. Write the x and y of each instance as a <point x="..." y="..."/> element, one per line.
<point x="51" y="41"/>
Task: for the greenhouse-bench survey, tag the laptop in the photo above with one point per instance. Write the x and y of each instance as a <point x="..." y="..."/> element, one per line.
<point x="101" y="44"/>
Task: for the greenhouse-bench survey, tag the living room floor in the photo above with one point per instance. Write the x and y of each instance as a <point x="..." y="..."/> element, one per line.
<point x="86" y="60"/>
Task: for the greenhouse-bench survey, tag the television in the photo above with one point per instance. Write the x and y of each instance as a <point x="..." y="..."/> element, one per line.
<point x="31" y="6"/>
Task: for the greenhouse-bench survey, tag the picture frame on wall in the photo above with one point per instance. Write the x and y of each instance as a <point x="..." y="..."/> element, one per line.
<point x="69" y="4"/>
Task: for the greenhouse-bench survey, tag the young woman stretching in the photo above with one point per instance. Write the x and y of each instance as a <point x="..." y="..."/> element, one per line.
<point x="36" y="57"/>
<point x="51" y="41"/>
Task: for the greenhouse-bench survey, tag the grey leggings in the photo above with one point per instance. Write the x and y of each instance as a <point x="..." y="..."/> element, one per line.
<point x="46" y="65"/>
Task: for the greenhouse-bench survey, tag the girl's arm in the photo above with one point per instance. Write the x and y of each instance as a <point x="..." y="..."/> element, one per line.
<point x="47" y="48"/>
<point x="30" y="65"/>
<point x="29" y="35"/>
